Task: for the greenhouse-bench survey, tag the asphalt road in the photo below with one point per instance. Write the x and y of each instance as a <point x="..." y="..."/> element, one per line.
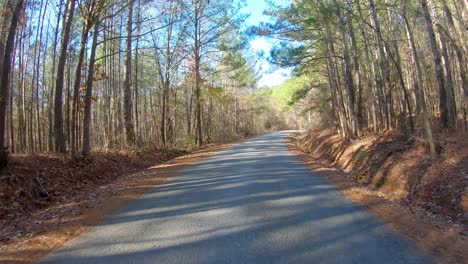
<point x="252" y="203"/>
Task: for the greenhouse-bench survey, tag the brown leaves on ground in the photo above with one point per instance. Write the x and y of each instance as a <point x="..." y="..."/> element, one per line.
<point x="83" y="194"/>
<point x="74" y="187"/>
<point x="400" y="168"/>
<point x="64" y="178"/>
<point x="399" y="160"/>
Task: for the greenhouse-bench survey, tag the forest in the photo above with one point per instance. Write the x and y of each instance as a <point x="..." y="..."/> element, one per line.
<point x="380" y="89"/>
<point x="97" y="95"/>
<point x="108" y="75"/>
<point x="365" y="67"/>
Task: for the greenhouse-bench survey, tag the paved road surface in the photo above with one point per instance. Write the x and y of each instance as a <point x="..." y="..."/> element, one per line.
<point x="252" y="203"/>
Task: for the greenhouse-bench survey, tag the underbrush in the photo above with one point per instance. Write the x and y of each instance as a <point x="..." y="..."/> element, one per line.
<point x="63" y="178"/>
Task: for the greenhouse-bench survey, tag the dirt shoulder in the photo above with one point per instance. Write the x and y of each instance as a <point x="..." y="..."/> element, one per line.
<point x="28" y="237"/>
<point x="446" y="242"/>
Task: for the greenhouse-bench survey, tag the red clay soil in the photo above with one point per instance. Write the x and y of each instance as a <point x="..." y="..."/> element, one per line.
<point x="82" y="193"/>
<point x="400" y="168"/>
<point x="391" y="176"/>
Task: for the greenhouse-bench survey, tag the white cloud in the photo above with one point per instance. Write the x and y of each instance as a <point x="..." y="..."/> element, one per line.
<point x="275" y="78"/>
<point x="260" y="44"/>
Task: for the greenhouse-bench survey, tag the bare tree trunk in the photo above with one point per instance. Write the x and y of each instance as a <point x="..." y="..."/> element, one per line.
<point x="68" y="102"/>
<point x="58" y="119"/>
<point x="16" y="7"/>
<point x="76" y="92"/>
<point x="11" y="109"/>
<point x="51" y="92"/>
<point x="188" y="109"/>
<point x="164" y="111"/>
<point x="451" y="105"/>
<point x="89" y="93"/>
<point x="21" y="95"/>
<point x="197" y="83"/>
<point x="128" y="104"/>
<point x="357" y="69"/>
<point x="137" y="92"/>
<point x="419" y="92"/>
<point x="6" y="23"/>
<point x="459" y="49"/>
<point x="369" y="74"/>
<point x="11" y="135"/>
<point x="438" y="66"/>
<point x="383" y="63"/>
<point x="334" y="80"/>
<point x="38" y="98"/>
<point x="349" y="82"/>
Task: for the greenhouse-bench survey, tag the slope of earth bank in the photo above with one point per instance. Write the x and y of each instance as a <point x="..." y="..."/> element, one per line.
<point x="379" y="173"/>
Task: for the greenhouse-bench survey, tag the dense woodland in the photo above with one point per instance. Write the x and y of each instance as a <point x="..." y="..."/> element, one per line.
<point x="99" y="97"/>
<point x="376" y="65"/>
<point x="79" y="75"/>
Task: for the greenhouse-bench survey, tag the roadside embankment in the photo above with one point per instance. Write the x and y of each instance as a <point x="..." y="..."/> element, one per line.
<point x="400" y="169"/>
<point x="394" y="179"/>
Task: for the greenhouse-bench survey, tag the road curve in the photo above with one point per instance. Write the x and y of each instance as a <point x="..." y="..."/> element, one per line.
<point x="252" y="203"/>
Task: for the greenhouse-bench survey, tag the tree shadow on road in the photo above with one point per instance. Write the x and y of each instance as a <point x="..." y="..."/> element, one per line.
<point x="252" y="203"/>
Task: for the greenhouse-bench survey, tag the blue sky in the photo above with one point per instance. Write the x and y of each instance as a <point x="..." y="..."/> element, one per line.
<point x="271" y="75"/>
